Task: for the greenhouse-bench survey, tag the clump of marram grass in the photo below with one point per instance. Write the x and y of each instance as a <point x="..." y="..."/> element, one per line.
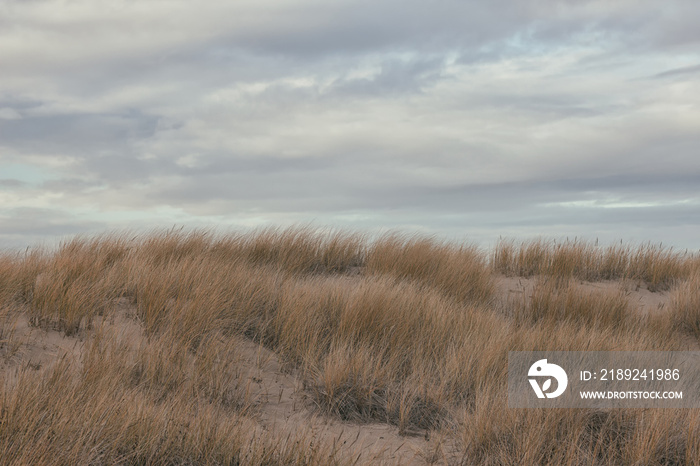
<point x="8" y="278"/>
<point x="459" y="271"/>
<point x="659" y="267"/>
<point x="303" y="250"/>
<point x="9" y="343"/>
<point x="18" y="274"/>
<point x="65" y="290"/>
<point x="414" y="340"/>
<point x="552" y="301"/>
<point x="685" y="306"/>
<point x="524" y="260"/>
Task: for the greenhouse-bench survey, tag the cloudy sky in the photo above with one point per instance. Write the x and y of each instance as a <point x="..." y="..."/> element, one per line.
<point x="471" y="119"/>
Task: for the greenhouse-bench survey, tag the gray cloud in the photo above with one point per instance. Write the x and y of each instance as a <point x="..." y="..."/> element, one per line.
<point x="683" y="71"/>
<point x="11" y="183"/>
<point x="21" y="227"/>
<point x="395" y="77"/>
<point x="76" y="133"/>
<point x="487" y="118"/>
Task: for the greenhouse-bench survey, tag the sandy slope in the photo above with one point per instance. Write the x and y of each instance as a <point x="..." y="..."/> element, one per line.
<point x="637" y="294"/>
<point x="280" y="401"/>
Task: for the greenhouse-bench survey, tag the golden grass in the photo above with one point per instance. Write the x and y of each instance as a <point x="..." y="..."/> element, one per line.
<point x="154" y="405"/>
<point x="685" y="305"/>
<point x="552" y="302"/>
<point x="403" y="330"/>
<point x="459" y="271"/>
<point x="492" y="434"/>
<point x="659" y="267"/>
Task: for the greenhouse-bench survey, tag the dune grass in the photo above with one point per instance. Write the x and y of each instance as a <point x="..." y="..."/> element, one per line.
<point x="402" y="330"/>
<point x="552" y="302"/>
<point x="156" y="404"/>
<point x="685" y="305"/>
<point x="657" y="266"/>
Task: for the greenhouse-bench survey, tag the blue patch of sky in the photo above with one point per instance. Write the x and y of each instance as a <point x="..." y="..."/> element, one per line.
<point x="27" y="174"/>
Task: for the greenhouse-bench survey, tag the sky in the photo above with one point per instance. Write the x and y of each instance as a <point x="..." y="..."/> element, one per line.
<point x="464" y="119"/>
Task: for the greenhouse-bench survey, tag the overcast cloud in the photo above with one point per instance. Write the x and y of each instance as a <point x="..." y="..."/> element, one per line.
<point x="470" y="119"/>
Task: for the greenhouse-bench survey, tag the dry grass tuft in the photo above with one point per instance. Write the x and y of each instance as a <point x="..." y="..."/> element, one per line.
<point x="552" y="301"/>
<point x="493" y="435"/>
<point x="659" y="267"/>
<point x="685" y="305"/>
<point x="459" y="271"/>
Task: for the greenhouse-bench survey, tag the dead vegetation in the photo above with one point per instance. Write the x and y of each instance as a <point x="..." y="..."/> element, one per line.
<point x="398" y="330"/>
<point x="657" y="266"/>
